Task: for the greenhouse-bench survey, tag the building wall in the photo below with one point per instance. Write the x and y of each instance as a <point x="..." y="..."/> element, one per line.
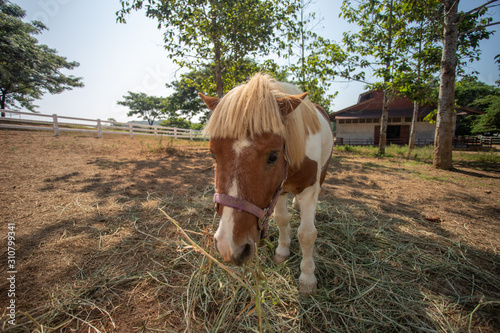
<point x="424" y="131"/>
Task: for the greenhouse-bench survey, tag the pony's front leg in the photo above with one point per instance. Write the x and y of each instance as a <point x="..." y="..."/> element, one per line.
<point x="307" y="236"/>
<point x="283" y="221"/>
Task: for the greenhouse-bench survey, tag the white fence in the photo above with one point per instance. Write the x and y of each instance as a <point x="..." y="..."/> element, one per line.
<point x="38" y="121"/>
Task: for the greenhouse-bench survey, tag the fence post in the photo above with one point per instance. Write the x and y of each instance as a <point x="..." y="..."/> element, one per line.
<point x="190" y="134"/>
<point x="99" y="129"/>
<point x="131" y="130"/>
<point x="56" y="125"/>
<point x="175" y="133"/>
<point x="156" y="131"/>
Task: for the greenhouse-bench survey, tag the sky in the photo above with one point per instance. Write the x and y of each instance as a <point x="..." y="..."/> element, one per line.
<point x="116" y="58"/>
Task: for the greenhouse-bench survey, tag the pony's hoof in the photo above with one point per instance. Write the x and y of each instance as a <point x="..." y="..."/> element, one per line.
<point x="308" y="286"/>
<point x="278" y="259"/>
<point x="308" y="289"/>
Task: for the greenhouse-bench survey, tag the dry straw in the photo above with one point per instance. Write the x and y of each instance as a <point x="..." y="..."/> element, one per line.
<point x="376" y="273"/>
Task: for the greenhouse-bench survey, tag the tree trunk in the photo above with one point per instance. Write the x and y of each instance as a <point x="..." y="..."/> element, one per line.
<point x="218" y="72"/>
<point x="2" y="103"/>
<point x="302" y="48"/>
<point x="444" y="123"/>
<point x="414" y="120"/>
<point x="217" y="54"/>
<point x="383" y="124"/>
<point x="3" y="99"/>
<point x="387" y="78"/>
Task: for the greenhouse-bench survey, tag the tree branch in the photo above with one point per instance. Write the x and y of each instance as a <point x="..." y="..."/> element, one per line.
<point x="476" y="9"/>
<point x="478" y="28"/>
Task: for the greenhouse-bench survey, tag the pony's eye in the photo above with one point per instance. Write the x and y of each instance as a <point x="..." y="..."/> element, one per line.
<point x="212" y="154"/>
<point x="272" y="158"/>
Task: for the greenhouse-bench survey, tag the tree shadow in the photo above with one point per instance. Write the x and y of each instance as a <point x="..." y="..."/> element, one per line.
<point x="380" y="266"/>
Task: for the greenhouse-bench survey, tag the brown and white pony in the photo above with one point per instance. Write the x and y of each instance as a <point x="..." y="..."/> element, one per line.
<point x="268" y="140"/>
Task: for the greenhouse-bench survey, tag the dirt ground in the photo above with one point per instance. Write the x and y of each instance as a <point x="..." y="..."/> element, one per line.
<point x="74" y="197"/>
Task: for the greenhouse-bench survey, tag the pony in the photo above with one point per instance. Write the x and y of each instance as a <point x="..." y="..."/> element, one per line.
<point x="268" y="140"/>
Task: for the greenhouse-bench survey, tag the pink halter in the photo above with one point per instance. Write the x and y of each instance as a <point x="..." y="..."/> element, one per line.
<point x="262" y="214"/>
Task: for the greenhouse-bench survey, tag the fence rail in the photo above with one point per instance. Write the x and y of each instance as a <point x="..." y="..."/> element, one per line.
<point x="371" y="142"/>
<point x="458" y="142"/>
<point x="57" y="124"/>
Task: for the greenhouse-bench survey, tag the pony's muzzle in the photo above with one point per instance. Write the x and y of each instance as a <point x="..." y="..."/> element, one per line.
<point x="235" y="255"/>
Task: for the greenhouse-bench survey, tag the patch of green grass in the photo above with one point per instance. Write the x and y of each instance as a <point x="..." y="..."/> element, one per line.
<point x="422" y="154"/>
<point x="480" y="157"/>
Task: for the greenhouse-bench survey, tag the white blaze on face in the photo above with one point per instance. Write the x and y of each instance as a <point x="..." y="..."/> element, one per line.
<point x="240" y="145"/>
<point x="224" y="234"/>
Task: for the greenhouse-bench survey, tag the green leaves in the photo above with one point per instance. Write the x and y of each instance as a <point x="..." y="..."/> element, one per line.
<point x="28" y="69"/>
<point x="199" y="34"/>
<point x="147" y="107"/>
<point x="490" y="122"/>
<point x="314" y="62"/>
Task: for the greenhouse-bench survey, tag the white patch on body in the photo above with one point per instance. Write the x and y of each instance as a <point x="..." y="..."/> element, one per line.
<point x="318" y="148"/>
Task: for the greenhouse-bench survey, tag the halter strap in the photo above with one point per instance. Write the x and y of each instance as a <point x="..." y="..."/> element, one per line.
<point x="239" y="204"/>
<point x="246" y="206"/>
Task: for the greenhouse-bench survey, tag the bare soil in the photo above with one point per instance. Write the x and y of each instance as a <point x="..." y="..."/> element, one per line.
<point x="79" y="203"/>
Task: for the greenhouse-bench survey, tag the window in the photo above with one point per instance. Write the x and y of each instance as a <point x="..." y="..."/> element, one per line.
<point x="394" y="120"/>
<point x="408" y="119"/>
<point x="341" y="121"/>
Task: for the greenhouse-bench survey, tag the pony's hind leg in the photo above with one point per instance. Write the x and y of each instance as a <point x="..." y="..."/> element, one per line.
<point x="283" y="221"/>
<point x="307" y="236"/>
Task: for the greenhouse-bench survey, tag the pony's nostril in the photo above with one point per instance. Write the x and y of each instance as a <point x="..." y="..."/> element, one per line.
<point x="247" y="251"/>
<point x="245" y="254"/>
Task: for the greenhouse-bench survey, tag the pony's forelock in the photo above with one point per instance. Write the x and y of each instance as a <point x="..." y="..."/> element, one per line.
<point x="251" y="109"/>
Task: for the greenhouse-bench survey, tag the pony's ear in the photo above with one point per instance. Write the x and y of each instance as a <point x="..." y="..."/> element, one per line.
<point x="290" y="103"/>
<point x="211" y="102"/>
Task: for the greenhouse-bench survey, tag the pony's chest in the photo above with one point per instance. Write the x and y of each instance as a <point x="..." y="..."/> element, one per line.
<point x="300" y="179"/>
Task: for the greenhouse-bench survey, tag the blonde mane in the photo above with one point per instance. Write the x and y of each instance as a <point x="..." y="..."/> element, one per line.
<point x="251" y="109"/>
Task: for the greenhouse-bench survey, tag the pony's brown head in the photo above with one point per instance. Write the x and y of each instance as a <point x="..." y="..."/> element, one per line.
<point x="248" y="134"/>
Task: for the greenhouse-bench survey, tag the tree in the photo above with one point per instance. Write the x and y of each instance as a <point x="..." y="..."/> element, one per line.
<point x="474" y="29"/>
<point x="180" y="123"/>
<point x="489" y="122"/>
<point x="185" y="102"/>
<point x="387" y="36"/>
<point x="416" y="79"/>
<point x="199" y="34"/>
<point x="313" y="60"/>
<point x="28" y="69"/>
<point x="381" y="25"/>
<point x="470" y="92"/>
<point x="185" y="99"/>
<point x="148" y="107"/>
